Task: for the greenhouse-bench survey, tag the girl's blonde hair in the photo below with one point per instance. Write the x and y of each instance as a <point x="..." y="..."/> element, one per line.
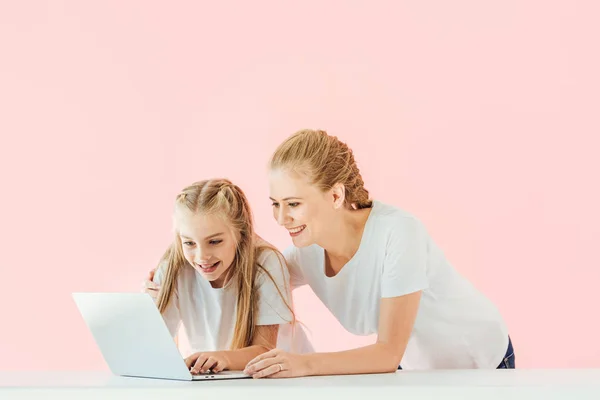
<point x="326" y="161"/>
<point x="223" y="198"/>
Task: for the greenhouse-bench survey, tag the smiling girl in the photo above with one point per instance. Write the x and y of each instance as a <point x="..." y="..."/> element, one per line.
<point x="227" y="287"/>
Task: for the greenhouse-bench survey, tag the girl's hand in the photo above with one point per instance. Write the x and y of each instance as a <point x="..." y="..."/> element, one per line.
<point x="200" y="363"/>
<point x="278" y="364"/>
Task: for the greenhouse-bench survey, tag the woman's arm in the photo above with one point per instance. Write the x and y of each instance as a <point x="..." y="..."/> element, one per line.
<point x="396" y="320"/>
<point x="171" y="315"/>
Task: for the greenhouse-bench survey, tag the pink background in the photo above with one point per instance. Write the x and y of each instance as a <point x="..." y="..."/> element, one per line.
<point x="479" y="117"/>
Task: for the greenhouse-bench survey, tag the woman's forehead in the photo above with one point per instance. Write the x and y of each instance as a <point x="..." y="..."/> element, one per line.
<point x="286" y="184"/>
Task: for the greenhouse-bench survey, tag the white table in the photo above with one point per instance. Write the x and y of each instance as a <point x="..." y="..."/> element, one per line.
<point x="404" y="385"/>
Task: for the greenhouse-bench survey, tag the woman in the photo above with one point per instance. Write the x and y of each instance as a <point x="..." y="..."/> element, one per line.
<point x="378" y="271"/>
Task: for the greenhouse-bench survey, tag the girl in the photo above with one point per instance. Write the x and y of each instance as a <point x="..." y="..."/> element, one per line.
<point x="377" y="269"/>
<point x="222" y="282"/>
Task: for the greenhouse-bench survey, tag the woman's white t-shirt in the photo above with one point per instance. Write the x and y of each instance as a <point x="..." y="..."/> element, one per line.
<point x="456" y="325"/>
<point x="208" y="314"/>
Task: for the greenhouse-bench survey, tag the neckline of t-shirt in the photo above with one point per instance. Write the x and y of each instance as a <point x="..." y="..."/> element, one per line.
<point x="222" y="289"/>
<point x="200" y="280"/>
<point x="364" y="238"/>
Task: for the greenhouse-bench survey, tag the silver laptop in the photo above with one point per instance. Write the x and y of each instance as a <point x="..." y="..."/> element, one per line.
<point x="134" y="339"/>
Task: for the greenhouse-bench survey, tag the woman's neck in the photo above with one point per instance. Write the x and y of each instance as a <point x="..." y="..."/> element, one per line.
<point x="344" y="235"/>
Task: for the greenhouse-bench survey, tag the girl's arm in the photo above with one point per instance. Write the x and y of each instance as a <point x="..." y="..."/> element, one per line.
<point x="265" y="339"/>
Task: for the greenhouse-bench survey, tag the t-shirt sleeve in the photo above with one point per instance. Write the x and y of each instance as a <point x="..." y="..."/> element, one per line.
<point x="405" y="265"/>
<point x="296" y="276"/>
<point x="275" y="298"/>
<point x="171" y="315"/>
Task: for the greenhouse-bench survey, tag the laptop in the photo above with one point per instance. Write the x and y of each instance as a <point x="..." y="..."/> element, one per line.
<point x="134" y="339"/>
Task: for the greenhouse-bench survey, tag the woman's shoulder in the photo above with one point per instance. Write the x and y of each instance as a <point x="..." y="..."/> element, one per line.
<point x="383" y="211"/>
<point x="392" y="219"/>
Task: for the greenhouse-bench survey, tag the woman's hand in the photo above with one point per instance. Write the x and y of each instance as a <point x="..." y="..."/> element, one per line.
<point x="278" y="364"/>
<point x="148" y="286"/>
<point x="200" y="363"/>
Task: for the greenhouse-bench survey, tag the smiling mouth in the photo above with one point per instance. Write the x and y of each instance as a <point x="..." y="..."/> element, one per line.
<point x="209" y="267"/>
<point x="296" y="231"/>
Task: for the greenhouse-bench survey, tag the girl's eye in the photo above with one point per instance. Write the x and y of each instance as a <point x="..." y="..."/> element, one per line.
<point x="189" y="244"/>
<point x="275" y="204"/>
<point x="215" y="242"/>
<point x="293" y="204"/>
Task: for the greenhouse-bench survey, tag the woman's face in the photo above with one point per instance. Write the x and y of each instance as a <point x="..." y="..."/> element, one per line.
<point x="300" y="207"/>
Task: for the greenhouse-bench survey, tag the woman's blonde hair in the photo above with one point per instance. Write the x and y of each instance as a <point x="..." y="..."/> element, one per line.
<point x="326" y="161"/>
<point x="223" y="198"/>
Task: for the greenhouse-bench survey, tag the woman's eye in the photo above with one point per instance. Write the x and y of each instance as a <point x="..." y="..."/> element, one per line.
<point x="275" y="204"/>
<point x="215" y="242"/>
<point x="293" y="204"/>
<point x="189" y="244"/>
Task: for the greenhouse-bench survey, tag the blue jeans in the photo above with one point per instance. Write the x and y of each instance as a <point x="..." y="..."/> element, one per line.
<point x="508" y="362"/>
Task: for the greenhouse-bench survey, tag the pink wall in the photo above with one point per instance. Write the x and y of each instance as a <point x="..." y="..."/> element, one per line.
<point x="479" y="117"/>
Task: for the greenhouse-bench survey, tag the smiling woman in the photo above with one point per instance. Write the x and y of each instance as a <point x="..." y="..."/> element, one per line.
<point x="228" y="287"/>
<point x="378" y="271"/>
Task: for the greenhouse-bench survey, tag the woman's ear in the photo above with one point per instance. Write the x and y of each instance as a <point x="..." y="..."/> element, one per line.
<point x="339" y="195"/>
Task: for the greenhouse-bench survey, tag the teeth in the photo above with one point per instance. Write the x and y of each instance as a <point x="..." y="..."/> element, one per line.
<point x="208" y="266"/>
<point x="296" y="230"/>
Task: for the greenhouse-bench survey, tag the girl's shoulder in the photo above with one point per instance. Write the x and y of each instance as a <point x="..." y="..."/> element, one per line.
<point x="269" y="256"/>
<point x="272" y="265"/>
<point x="266" y="253"/>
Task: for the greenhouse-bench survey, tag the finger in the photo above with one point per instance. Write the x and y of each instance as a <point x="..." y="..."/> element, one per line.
<point x="263" y="356"/>
<point x="199" y="363"/>
<point x="218" y="367"/>
<point x="209" y="365"/>
<point x="282" y="374"/>
<point x="190" y="360"/>
<point x="149" y="290"/>
<point x="152" y="288"/>
<point x="152" y="292"/>
<point x="197" y="367"/>
<point x="264" y="364"/>
<point x="151" y="285"/>
<point x="273" y="371"/>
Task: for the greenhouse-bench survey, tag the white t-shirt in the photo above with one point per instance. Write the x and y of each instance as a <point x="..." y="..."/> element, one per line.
<point x="208" y="314"/>
<point x="456" y="325"/>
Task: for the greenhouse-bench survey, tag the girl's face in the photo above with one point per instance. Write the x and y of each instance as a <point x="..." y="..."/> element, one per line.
<point x="300" y="207"/>
<point x="208" y="243"/>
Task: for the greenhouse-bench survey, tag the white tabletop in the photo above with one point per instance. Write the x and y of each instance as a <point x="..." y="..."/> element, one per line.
<point x="447" y="384"/>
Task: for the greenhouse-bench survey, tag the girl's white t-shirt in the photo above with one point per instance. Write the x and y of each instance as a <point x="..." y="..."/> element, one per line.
<point x="456" y="325"/>
<point x="208" y="314"/>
